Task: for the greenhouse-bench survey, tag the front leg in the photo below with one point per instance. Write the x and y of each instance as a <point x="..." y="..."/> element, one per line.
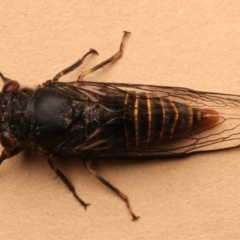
<point x="73" y="66"/>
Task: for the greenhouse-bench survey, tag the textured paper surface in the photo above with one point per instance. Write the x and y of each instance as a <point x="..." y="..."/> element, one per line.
<point x="191" y="44"/>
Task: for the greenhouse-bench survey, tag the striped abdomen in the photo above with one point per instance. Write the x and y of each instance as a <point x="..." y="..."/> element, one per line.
<point x="154" y="118"/>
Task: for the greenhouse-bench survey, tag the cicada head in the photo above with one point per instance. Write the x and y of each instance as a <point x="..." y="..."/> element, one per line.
<point x="15" y="107"/>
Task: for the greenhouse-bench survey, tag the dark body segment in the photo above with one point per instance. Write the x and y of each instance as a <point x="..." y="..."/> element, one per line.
<point x="156" y="117"/>
<point x="54" y="115"/>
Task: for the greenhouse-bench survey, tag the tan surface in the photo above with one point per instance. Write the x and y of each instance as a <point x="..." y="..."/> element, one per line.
<point x="175" y="43"/>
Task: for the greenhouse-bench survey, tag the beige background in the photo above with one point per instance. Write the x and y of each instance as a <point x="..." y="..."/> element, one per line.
<point x="192" y="44"/>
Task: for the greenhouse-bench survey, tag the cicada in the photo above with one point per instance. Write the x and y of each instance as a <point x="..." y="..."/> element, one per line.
<point x="96" y="120"/>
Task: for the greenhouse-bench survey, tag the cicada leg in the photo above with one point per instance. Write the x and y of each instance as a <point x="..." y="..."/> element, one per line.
<point x="123" y="196"/>
<point x="67" y="182"/>
<point x="73" y="66"/>
<point x="112" y="59"/>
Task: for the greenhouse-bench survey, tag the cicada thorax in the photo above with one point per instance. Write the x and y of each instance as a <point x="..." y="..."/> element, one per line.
<point x="156" y="119"/>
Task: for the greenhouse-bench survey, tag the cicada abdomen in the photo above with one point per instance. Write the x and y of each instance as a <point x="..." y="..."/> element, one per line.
<point x="156" y="119"/>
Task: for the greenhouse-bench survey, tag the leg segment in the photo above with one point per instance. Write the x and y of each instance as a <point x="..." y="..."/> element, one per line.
<point x="73" y="66"/>
<point x="124" y="197"/>
<point x="67" y="182"/>
<point x="112" y="59"/>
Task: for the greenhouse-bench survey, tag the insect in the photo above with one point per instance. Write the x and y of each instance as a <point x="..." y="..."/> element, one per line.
<point x="96" y="120"/>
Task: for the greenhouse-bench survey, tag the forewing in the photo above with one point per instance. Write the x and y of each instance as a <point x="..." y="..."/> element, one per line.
<point x="110" y="139"/>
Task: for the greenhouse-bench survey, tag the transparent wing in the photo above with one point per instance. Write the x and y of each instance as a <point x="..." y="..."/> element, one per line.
<point x="112" y="137"/>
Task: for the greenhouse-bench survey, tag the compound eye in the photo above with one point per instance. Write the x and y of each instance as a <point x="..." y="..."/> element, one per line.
<point x="10" y="86"/>
<point x="7" y="141"/>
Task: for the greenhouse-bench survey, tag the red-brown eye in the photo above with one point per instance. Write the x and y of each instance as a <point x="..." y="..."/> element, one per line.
<point x="7" y="141"/>
<point x="10" y="86"/>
